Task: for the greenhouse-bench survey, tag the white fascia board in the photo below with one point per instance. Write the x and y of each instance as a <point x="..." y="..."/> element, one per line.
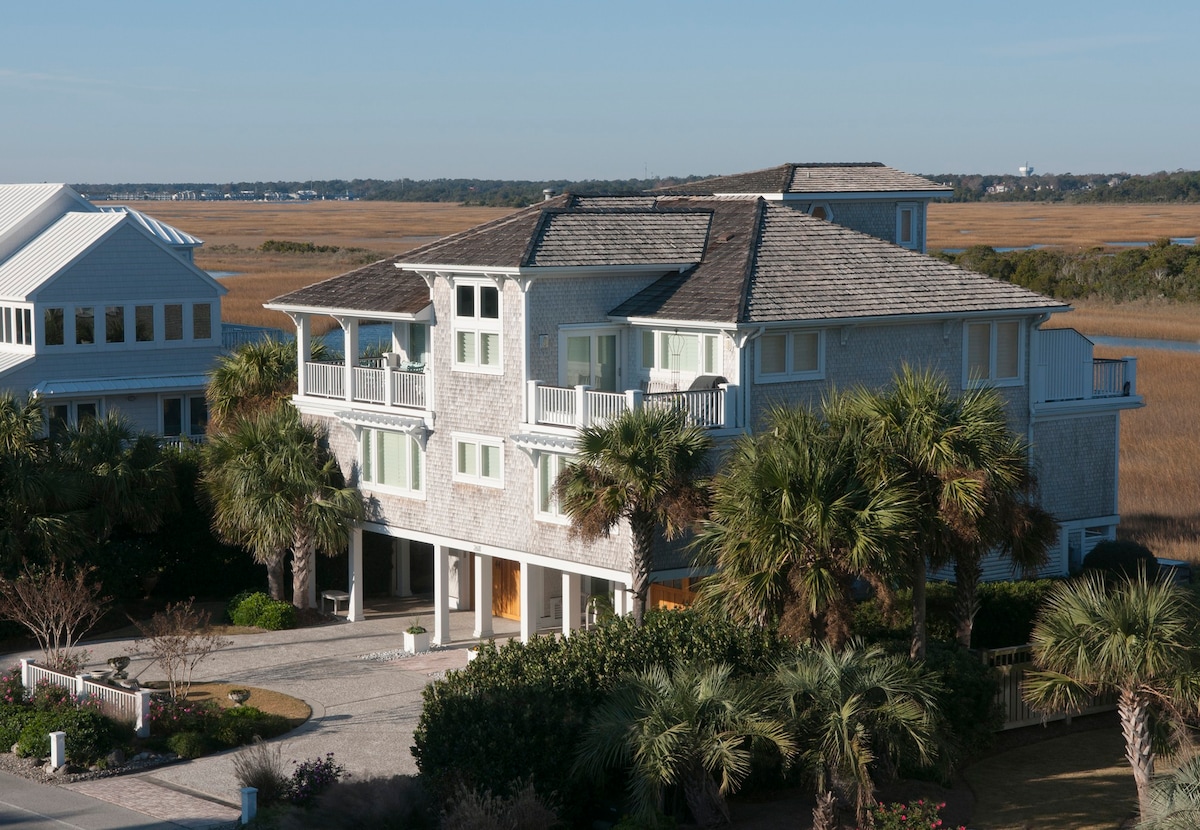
<point x="362" y="313"/>
<point x="899" y="318"/>
<point x="877" y="195"/>
<point x="465" y="270"/>
<point x="663" y="322"/>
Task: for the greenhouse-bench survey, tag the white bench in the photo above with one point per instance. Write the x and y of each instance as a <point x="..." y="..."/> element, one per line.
<point x="335" y="597"/>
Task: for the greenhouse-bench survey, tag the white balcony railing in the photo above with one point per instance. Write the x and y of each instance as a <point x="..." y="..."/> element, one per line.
<point x="1065" y="370"/>
<point x="581" y="407"/>
<point x="370" y="384"/>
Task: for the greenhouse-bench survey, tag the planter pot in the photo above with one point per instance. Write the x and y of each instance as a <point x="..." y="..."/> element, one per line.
<point x="416" y="643"/>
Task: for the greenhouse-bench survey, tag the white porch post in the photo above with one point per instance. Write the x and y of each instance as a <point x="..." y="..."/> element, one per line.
<point x="355" y="611"/>
<point x="441" y="595"/>
<point x="483" y="597"/>
<point x="528" y="618"/>
<point x="403" y="568"/>
<point x="621" y="600"/>
<point x="303" y="351"/>
<point x="570" y="602"/>
<point x="350" y="344"/>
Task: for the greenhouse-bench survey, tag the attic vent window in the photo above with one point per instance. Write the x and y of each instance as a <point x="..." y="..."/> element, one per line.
<point x="820" y="210"/>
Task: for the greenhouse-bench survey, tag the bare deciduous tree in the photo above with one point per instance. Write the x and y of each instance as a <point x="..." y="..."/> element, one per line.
<point x="56" y="605"/>
<point x="179" y="639"/>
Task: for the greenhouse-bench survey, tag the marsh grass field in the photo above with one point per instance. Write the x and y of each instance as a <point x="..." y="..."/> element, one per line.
<point x="1160" y="444"/>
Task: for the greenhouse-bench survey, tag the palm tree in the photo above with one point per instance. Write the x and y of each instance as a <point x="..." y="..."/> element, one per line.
<point x="853" y="709"/>
<point x="792" y="526"/>
<point x="1175" y="799"/>
<point x="128" y="478"/>
<point x="41" y="501"/>
<point x="645" y="467"/>
<point x="257" y="375"/>
<point x="682" y="728"/>
<point x="274" y="489"/>
<point x="1137" y="638"/>
<point x="957" y="460"/>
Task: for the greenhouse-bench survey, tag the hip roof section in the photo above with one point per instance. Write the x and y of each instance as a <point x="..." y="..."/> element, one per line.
<point x="814" y="179"/>
<point x="725" y="260"/>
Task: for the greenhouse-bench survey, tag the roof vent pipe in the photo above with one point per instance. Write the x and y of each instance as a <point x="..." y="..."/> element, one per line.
<point x="548" y="194"/>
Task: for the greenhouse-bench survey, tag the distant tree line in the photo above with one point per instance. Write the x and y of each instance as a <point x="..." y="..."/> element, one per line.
<point x="1160" y="271"/>
<point x="485" y="192"/>
<point x="1177" y="186"/>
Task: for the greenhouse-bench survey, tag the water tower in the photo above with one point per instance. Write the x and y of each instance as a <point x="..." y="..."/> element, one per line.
<point x="1027" y="170"/>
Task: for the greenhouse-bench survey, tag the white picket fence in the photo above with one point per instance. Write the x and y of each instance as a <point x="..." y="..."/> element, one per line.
<point x="1011" y="664"/>
<point x="122" y="704"/>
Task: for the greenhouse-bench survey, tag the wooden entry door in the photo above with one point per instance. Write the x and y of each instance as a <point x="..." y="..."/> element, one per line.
<point x="506" y="589"/>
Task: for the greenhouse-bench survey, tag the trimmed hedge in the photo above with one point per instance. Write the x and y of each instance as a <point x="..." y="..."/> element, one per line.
<point x="90" y="735"/>
<point x="1121" y="558"/>
<point x="514" y="714"/>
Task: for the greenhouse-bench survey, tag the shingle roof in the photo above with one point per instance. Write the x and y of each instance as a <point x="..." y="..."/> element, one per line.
<point x="752" y="261"/>
<point x="638" y="237"/>
<point x="378" y="287"/>
<point x="847" y="177"/>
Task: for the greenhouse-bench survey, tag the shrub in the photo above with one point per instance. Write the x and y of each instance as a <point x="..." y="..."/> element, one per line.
<point x="169" y="715"/>
<point x="258" y="609"/>
<point x="916" y="815"/>
<point x="1121" y="558"/>
<point x="311" y="778"/>
<point x="241" y="725"/>
<point x="971" y="716"/>
<point x="188" y="744"/>
<point x="90" y="735"/>
<point x="523" y="810"/>
<point x="515" y="714"/>
<point x="260" y="766"/>
<point x="13" y="718"/>
<point x="11" y="688"/>
<point x="397" y="803"/>
<point x="48" y="697"/>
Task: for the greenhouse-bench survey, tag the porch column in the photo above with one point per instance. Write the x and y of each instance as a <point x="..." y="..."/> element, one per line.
<point x="403" y="568"/>
<point x="350" y="347"/>
<point x="570" y="602"/>
<point x="441" y="595"/>
<point x="354" y="612"/>
<point x="303" y="351"/>
<point x="622" y="603"/>
<point x="528" y="612"/>
<point x="483" y="597"/>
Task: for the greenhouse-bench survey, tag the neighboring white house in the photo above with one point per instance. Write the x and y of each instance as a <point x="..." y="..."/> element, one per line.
<point x="724" y="297"/>
<point x="103" y="310"/>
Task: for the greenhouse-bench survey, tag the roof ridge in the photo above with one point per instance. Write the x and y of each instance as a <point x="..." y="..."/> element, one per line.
<point x="471" y="232"/>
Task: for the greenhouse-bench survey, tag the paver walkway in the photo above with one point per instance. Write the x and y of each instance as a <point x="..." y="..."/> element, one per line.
<point x="362" y="711"/>
<point x="145" y="795"/>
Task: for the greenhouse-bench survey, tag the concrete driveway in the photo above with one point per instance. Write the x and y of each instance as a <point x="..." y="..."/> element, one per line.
<point x="362" y="711"/>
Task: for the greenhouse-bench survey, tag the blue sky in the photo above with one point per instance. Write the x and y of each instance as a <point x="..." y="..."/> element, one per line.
<point x="130" y="91"/>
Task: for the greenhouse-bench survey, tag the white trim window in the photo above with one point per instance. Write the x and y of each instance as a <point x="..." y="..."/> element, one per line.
<point x="477" y="340"/>
<point x="183" y="415"/>
<point x="790" y="355"/>
<point x="16" y="325"/>
<point x="992" y="352"/>
<point x="479" y="459"/>
<point x="682" y="352"/>
<point x="906" y="225"/>
<point x="391" y="462"/>
<point x="549" y="467"/>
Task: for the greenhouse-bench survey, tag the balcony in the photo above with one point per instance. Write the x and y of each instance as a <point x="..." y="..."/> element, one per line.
<point x="580" y="406"/>
<point x="1065" y="372"/>
<point x="370" y="382"/>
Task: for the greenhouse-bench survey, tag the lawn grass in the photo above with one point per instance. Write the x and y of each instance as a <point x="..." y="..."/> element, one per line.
<point x="1080" y="781"/>
<point x="274" y="703"/>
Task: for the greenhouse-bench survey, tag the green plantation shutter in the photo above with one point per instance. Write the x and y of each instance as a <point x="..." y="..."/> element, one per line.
<point x="1008" y="350"/>
<point x="489" y="349"/>
<point x="465" y="348"/>
<point x="545" y="482"/>
<point x="489" y="466"/>
<point x="391" y="458"/>
<point x="466" y="458"/>
<point x="648" y="350"/>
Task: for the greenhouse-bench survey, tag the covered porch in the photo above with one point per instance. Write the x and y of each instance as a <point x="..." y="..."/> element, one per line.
<point x="462" y="595"/>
